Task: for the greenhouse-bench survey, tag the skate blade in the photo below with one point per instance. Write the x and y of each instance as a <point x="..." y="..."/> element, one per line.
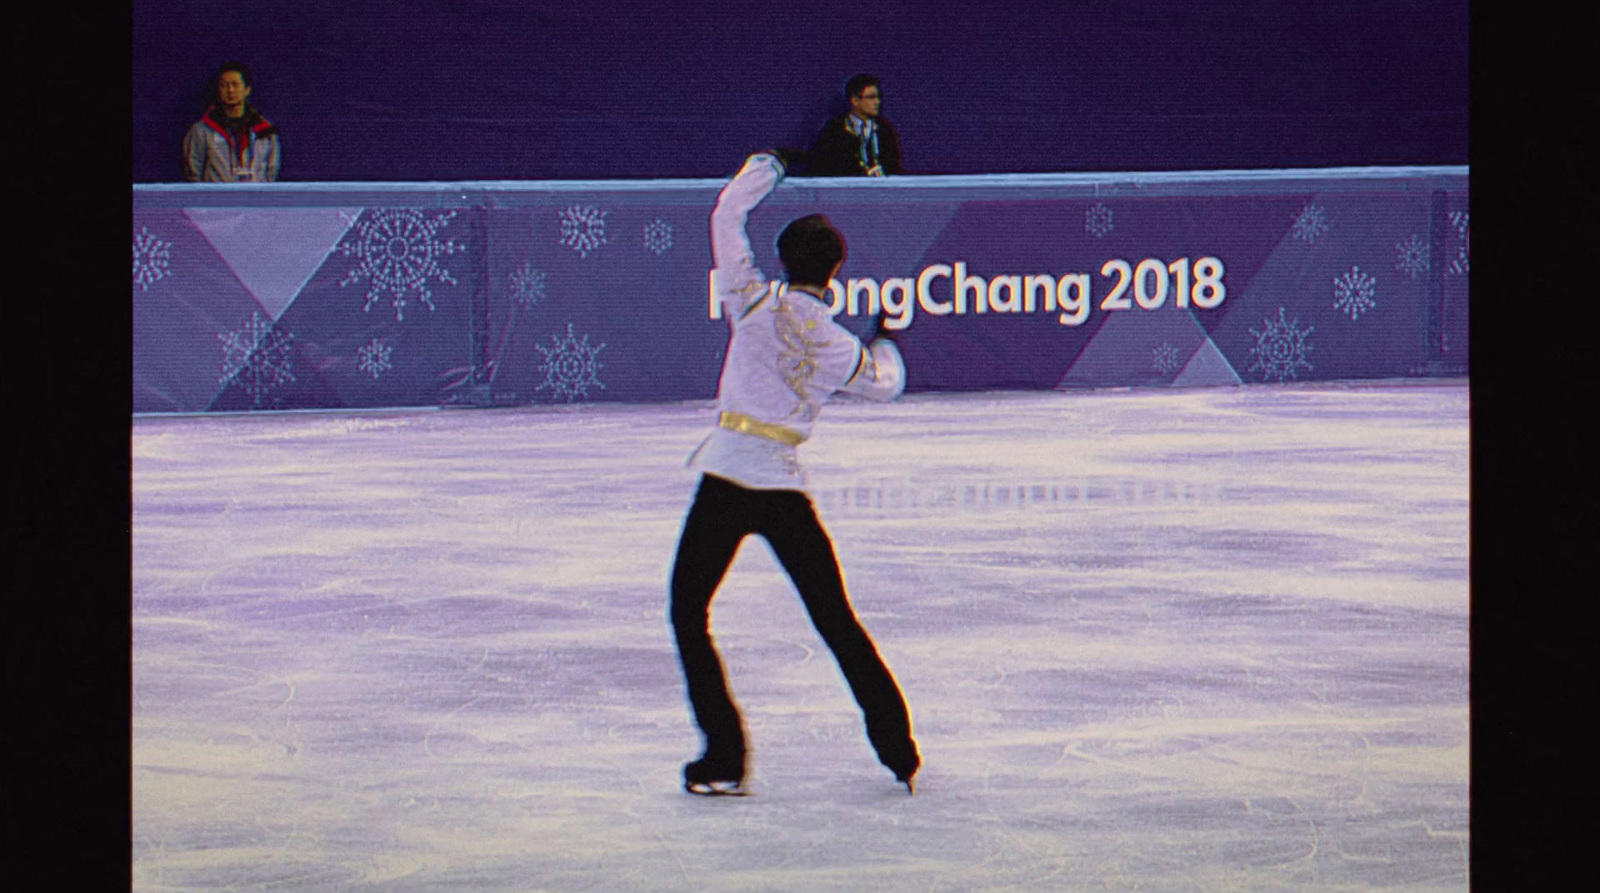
<point x="716" y="788"/>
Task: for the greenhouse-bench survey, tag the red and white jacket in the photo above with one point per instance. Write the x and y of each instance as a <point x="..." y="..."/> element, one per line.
<point x="213" y="155"/>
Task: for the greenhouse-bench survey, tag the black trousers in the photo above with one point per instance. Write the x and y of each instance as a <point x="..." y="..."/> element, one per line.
<point x="722" y="515"/>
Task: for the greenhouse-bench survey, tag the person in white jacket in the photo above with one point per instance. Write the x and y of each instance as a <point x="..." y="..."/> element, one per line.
<point x="785" y="357"/>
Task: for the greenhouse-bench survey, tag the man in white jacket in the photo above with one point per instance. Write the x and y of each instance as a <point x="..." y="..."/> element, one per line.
<point x="785" y="357"/>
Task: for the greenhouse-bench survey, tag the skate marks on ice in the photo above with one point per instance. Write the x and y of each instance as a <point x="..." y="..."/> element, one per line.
<point x="1170" y="640"/>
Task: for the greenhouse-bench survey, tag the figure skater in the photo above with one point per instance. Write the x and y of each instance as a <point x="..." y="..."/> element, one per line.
<point x="785" y="356"/>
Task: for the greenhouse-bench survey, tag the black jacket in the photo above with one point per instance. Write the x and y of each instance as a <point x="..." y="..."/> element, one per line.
<point x="838" y="151"/>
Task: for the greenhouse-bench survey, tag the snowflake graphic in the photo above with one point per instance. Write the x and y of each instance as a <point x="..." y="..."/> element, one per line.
<point x="1411" y="256"/>
<point x="374" y="358"/>
<point x="1097" y="220"/>
<point x="1462" y="262"/>
<point x="1280" y="349"/>
<point x="570" y="366"/>
<point x="1164" y="359"/>
<point x="1311" y="222"/>
<point x="658" y="236"/>
<point x="527" y="286"/>
<point x="257" y="355"/>
<point x="399" y="251"/>
<point x="1353" y="293"/>
<point x="583" y="229"/>
<point x="151" y="258"/>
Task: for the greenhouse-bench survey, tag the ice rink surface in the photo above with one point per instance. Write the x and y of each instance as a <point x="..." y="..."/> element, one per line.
<point x="1160" y="640"/>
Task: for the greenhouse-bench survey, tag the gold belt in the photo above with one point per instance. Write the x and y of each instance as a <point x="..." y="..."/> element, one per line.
<point x="738" y="421"/>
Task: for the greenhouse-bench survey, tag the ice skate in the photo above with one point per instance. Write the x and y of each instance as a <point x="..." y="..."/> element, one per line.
<point x="905" y="766"/>
<point x="908" y="779"/>
<point x="716" y="788"/>
<point x="715" y="777"/>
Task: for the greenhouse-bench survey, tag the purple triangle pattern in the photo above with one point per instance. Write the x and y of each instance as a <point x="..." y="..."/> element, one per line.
<point x="273" y="251"/>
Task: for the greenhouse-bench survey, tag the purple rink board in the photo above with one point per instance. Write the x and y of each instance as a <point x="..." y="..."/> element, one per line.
<point x="364" y="295"/>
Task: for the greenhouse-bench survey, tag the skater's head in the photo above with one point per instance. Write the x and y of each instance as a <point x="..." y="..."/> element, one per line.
<point x="865" y="95"/>
<point x="811" y="251"/>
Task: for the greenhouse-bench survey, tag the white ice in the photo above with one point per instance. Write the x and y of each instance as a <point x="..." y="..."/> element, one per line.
<point x="1162" y="640"/>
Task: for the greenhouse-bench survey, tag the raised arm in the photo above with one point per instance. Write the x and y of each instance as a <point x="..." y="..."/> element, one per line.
<point x="734" y="274"/>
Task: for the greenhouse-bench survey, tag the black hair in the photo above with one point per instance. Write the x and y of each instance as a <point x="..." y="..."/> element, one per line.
<point x="810" y="248"/>
<point x="243" y="69"/>
<point x="858" y="85"/>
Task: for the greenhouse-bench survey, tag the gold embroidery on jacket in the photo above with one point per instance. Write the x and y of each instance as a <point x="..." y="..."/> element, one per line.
<point x="797" y="362"/>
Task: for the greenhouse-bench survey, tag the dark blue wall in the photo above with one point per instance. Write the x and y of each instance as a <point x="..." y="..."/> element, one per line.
<point x="498" y="89"/>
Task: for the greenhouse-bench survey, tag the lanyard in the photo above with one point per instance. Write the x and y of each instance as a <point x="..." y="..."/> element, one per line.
<point x="868" y="131"/>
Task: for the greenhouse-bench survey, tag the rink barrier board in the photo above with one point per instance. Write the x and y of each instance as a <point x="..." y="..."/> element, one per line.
<point x="296" y="296"/>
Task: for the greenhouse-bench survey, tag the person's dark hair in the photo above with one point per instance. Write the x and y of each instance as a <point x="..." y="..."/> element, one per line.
<point x="243" y="69"/>
<point x="810" y="248"/>
<point x="856" y="85"/>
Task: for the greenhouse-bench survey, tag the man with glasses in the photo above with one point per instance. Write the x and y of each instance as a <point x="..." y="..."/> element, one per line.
<point x="860" y="143"/>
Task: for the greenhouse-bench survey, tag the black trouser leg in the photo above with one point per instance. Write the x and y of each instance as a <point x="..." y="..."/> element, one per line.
<point x="806" y="553"/>
<point x="712" y="531"/>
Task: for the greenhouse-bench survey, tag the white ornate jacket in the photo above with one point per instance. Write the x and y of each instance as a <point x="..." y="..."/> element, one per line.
<point x="785" y="354"/>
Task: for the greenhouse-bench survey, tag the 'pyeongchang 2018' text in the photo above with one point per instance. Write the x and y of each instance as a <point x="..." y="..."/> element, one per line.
<point x="946" y="289"/>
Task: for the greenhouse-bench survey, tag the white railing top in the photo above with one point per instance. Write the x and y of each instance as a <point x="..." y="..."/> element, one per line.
<point x="932" y="181"/>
